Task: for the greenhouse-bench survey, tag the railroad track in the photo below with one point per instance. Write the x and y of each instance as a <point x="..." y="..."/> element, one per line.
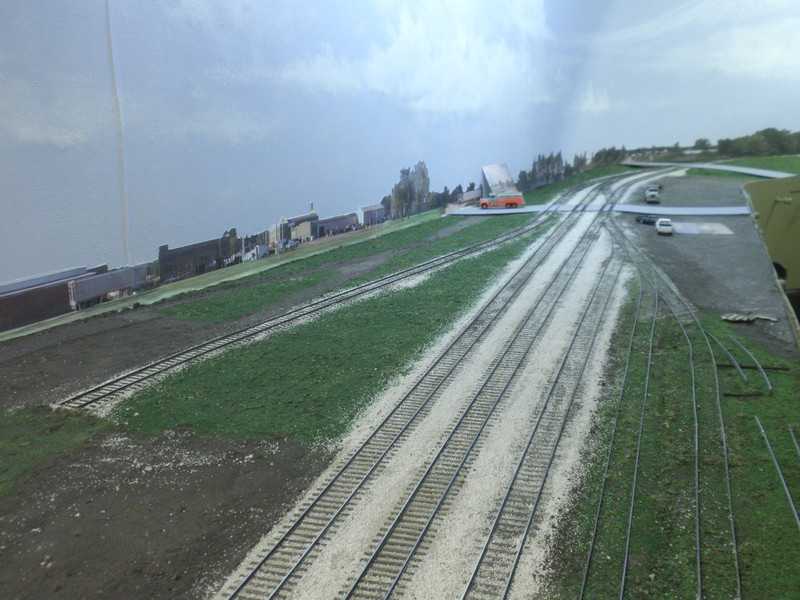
<point x="284" y="566"/>
<point x="137" y="379"/>
<point x="140" y="378"/>
<point x="672" y="305"/>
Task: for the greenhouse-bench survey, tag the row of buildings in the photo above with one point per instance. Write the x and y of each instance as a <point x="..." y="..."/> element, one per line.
<point x="27" y="301"/>
<point x="201" y="257"/>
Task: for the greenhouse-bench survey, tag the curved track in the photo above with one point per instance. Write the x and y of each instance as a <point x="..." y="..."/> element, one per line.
<point x="705" y="507"/>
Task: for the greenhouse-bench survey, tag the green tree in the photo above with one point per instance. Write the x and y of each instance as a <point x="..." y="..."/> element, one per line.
<point x="402" y="194"/>
<point x="522" y="181"/>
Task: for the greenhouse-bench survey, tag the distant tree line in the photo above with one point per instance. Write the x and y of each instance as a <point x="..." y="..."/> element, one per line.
<point x="549" y="169"/>
<point x="767" y="142"/>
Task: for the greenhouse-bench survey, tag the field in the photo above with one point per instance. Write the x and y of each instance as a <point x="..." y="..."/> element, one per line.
<point x="787" y="164"/>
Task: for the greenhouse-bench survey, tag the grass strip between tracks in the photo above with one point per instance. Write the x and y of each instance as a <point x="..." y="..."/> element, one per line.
<point x="308" y="383"/>
<point x="247" y="295"/>
<point x="244" y="299"/>
<point x="662" y="562"/>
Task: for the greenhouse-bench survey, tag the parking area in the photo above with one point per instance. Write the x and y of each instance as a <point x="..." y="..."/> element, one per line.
<point x="718" y="273"/>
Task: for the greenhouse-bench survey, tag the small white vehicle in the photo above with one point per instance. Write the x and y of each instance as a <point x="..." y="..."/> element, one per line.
<point x="651" y="195"/>
<point x="664" y="226"/>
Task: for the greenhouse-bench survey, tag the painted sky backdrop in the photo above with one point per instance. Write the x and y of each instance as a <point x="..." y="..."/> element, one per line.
<point x="127" y="124"/>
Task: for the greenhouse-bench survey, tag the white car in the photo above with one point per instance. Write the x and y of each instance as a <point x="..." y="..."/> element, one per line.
<point x="664" y="226"/>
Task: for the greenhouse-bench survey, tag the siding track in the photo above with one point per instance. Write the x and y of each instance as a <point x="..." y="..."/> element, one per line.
<point x="709" y="509"/>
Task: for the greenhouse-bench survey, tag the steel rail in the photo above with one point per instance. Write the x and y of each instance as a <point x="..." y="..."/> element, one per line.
<point x="570" y="402"/>
<point x="734" y="362"/>
<point x="696" y="425"/>
<point x="392" y="443"/>
<point x="780" y="474"/>
<point x="598" y="188"/>
<point x="794" y="439"/>
<point x="306" y="310"/>
<point x="118" y="384"/>
<point x="696" y="440"/>
<point x="592" y="542"/>
<point x="755" y="362"/>
<point x="505" y="500"/>
<point x="355" y="455"/>
<point x="457" y="427"/>
<point x="529" y="444"/>
<point x="723" y="435"/>
<point x="639" y="445"/>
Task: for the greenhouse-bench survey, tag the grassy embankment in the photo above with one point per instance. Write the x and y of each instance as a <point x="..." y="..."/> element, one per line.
<point x="309" y="382"/>
<point x="662" y="555"/>
<point x="787" y="164"/>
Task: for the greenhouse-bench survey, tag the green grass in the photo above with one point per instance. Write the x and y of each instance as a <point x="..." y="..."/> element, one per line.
<point x="243" y="299"/>
<point x="487" y="229"/>
<point x="788" y="164"/>
<point x="770" y="555"/>
<point x="414" y="232"/>
<point x="663" y="536"/>
<point x="715" y="173"/>
<point x="309" y="383"/>
<point x="32" y="438"/>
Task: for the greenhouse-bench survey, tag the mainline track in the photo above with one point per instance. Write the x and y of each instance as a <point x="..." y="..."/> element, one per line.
<point x="404" y="536"/>
<point x="276" y="572"/>
<point x="494" y="572"/>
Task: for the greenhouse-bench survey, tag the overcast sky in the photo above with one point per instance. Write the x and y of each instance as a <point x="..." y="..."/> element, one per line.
<point x="128" y="124"/>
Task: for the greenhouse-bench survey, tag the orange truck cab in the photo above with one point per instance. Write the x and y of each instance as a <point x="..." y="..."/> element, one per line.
<point x="512" y="201"/>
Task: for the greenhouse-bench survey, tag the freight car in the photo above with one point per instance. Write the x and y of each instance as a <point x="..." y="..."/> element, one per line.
<point x="88" y="291"/>
<point x="26" y="301"/>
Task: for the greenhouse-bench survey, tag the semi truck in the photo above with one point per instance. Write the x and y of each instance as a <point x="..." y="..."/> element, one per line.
<point x="651" y="194"/>
<point x="505" y="201"/>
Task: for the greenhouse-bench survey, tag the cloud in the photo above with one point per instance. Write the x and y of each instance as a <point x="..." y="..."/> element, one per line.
<point x="593" y="101"/>
<point x="743" y="38"/>
<point x="763" y="51"/>
<point x="224" y="123"/>
<point x="60" y="112"/>
<point x="449" y="58"/>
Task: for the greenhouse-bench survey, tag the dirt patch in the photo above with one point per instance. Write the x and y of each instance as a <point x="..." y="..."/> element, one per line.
<point x="133" y="517"/>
